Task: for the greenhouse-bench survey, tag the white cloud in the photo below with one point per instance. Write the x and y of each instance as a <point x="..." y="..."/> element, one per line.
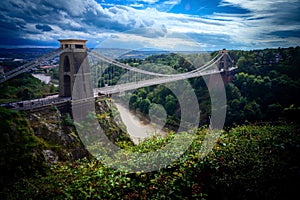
<point x="148" y="1"/>
<point x="172" y="2"/>
<point x="171" y="42"/>
<point x="251" y="29"/>
<point x="137" y="5"/>
<point x="264" y="18"/>
<point x="153" y="26"/>
<point x="167" y="5"/>
<point x="257" y="5"/>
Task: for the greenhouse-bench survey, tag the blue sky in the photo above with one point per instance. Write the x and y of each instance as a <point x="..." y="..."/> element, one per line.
<point x="160" y="24"/>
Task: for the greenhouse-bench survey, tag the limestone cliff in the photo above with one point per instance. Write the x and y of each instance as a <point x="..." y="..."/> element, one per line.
<point x="58" y="134"/>
<point x="111" y="122"/>
<point x="30" y="141"/>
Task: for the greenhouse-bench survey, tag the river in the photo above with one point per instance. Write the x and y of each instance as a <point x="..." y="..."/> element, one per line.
<point x="43" y="77"/>
<point x="137" y="130"/>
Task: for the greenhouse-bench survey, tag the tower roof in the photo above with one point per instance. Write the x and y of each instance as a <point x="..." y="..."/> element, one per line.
<point x="72" y="41"/>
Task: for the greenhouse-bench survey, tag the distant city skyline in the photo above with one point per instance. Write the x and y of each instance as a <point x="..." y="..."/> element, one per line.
<point x="173" y="25"/>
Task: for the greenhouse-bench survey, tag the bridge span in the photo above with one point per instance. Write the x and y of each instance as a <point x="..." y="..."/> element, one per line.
<point x="75" y="64"/>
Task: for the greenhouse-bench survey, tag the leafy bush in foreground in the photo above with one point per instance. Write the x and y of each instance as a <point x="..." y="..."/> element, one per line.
<point x="248" y="162"/>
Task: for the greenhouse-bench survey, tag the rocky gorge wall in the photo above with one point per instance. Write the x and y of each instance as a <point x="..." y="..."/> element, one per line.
<point x="31" y="141"/>
<point x="57" y="130"/>
<point x="59" y="135"/>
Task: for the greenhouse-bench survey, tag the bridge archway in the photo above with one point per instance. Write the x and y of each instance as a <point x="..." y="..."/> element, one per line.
<point x="67" y="86"/>
<point x="66" y="64"/>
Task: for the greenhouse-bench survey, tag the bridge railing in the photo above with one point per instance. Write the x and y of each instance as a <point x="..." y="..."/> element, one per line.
<point x="35" y="103"/>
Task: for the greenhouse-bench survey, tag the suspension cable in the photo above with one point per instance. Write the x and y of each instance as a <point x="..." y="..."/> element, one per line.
<point x="104" y="58"/>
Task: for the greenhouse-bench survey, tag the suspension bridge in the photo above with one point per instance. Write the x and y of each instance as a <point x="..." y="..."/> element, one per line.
<point x="86" y="74"/>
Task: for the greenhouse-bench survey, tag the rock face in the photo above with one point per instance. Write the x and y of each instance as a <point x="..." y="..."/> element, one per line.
<point x="58" y="134"/>
<point x="60" y="137"/>
<point x="30" y="141"/>
<point x="110" y="121"/>
<point x="50" y="157"/>
<point x="20" y="150"/>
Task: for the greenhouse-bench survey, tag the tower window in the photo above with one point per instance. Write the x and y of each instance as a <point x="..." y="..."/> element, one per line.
<point x="78" y="46"/>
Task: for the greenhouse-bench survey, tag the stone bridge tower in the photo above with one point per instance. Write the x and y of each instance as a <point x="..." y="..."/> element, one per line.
<point x="224" y="65"/>
<point x="224" y="62"/>
<point x="74" y="70"/>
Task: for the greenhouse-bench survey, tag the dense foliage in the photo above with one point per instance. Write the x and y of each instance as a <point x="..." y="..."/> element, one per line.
<point x="248" y="162"/>
<point x="265" y="87"/>
<point x="24" y="87"/>
<point x="20" y="149"/>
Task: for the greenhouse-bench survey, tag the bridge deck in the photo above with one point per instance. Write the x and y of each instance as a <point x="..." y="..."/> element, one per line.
<point x="207" y="69"/>
<point x="55" y="99"/>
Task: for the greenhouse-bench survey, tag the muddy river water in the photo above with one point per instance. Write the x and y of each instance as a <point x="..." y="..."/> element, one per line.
<point x="137" y="129"/>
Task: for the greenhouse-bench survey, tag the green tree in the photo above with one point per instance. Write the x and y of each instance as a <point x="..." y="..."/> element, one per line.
<point x="20" y="150"/>
<point x="171" y="104"/>
<point x="133" y="101"/>
<point x="145" y="105"/>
